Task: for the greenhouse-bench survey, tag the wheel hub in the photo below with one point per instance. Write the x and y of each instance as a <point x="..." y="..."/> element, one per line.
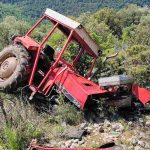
<point x="8" y="67"/>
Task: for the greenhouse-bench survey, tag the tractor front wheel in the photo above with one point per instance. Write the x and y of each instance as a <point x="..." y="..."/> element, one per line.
<point x="13" y="67"/>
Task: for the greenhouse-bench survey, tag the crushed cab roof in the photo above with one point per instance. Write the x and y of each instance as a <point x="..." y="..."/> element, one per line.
<point x="80" y="33"/>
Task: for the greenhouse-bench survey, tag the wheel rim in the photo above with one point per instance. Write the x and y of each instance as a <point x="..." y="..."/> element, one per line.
<point x="7" y="67"/>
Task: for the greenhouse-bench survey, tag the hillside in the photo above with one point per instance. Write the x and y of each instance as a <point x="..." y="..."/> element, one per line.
<point x="126" y="30"/>
<point x="34" y="8"/>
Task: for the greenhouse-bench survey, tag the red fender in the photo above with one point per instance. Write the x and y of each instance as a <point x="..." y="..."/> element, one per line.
<point x="142" y="94"/>
<point x="37" y="147"/>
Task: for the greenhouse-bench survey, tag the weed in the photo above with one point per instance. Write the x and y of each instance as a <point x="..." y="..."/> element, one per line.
<point x="95" y="145"/>
<point x="69" y="114"/>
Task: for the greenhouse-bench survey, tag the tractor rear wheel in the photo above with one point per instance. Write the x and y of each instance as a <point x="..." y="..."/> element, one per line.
<point x="13" y="67"/>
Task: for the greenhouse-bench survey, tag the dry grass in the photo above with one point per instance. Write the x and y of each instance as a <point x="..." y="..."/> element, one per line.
<point x="25" y="123"/>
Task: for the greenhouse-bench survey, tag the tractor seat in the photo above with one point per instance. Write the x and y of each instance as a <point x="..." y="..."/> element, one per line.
<point x="49" y="52"/>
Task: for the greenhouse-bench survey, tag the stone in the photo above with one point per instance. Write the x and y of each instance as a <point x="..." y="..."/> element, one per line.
<point x="107" y="123"/>
<point x="63" y="146"/>
<point x="141" y="135"/>
<point x="74" y="145"/>
<point x="130" y="148"/>
<point x="115" y="134"/>
<point x="81" y="142"/>
<point x="48" y="145"/>
<point x="83" y="125"/>
<point x="137" y="148"/>
<point x="96" y="125"/>
<point x="107" y="138"/>
<point x="75" y="140"/>
<point x="94" y="130"/>
<point x="141" y="120"/>
<point x="147" y="146"/>
<point x="68" y="143"/>
<point x="141" y="143"/>
<point x="147" y="124"/>
<point x="89" y="129"/>
<point x="64" y="124"/>
<point x="60" y="143"/>
<point x="101" y="124"/>
<point x="134" y="141"/>
<point x="130" y="123"/>
<point x="73" y="133"/>
<point x="53" y="143"/>
<point x="101" y="129"/>
<point x="93" y="142"/>
<point x="118" y="127"/>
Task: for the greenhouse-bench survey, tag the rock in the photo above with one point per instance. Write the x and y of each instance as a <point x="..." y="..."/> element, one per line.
<point x="93" y="142"/>
<point x="68" y="143"/>
<point x="81" y="142"/>
<point x="115" y="134"/>
<point x="101" y="129"/>
<point x="101" y="124"/>
<point x="48" y="145"/>
<point x="147" y="124"/>
<point x="141" y="135"/>
<point x="83" y="125"/>
<point x="63" y="146"/>
<point x="89" y="129"/>
<point x="130" y="148"/>
<point x="53" y="143"/>
<point x="60" y="143"/>
<point x="107" y="123"/>
<point x="134" y="141"/>
<point x="147" y="146"/>
<point x="74" y="145"/>
<point x="121" y="147"/>
<point x="95" y="131"/>
<point x="75" y="141"/>
<point x="107" y="138"/>
<point x="74" y="133"/>
<point x="118" y="127"/>
<point x="96" y="125"/>
<point x="64" y="124"/>
<point x="141" y="143"/>
<point x="148" y="133"/>
<point x="141" y="120"/>
<point x="130" y="123"/>
<point x="137" y="148"/>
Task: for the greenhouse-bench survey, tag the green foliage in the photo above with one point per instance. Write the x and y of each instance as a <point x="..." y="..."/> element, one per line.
<point x="9" y="9"/>
<point x="9" y="27"/>
<point x="95" y="145"/>
<point x="30" y="8"/>
<point x="12" y="139"/>
<point x="68" y="113"/>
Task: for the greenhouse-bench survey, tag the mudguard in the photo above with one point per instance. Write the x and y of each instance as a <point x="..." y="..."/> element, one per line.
<point x="142" y="94"/>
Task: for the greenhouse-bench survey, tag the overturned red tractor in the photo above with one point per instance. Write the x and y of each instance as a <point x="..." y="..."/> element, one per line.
<point x="46" y="69"/>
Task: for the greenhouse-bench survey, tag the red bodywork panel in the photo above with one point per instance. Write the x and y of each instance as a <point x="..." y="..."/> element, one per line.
<point x="142" y="94"/>
<point x="27" y="42"/>
<point x="75" y="87"/>
<point x="38" y="147"/>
